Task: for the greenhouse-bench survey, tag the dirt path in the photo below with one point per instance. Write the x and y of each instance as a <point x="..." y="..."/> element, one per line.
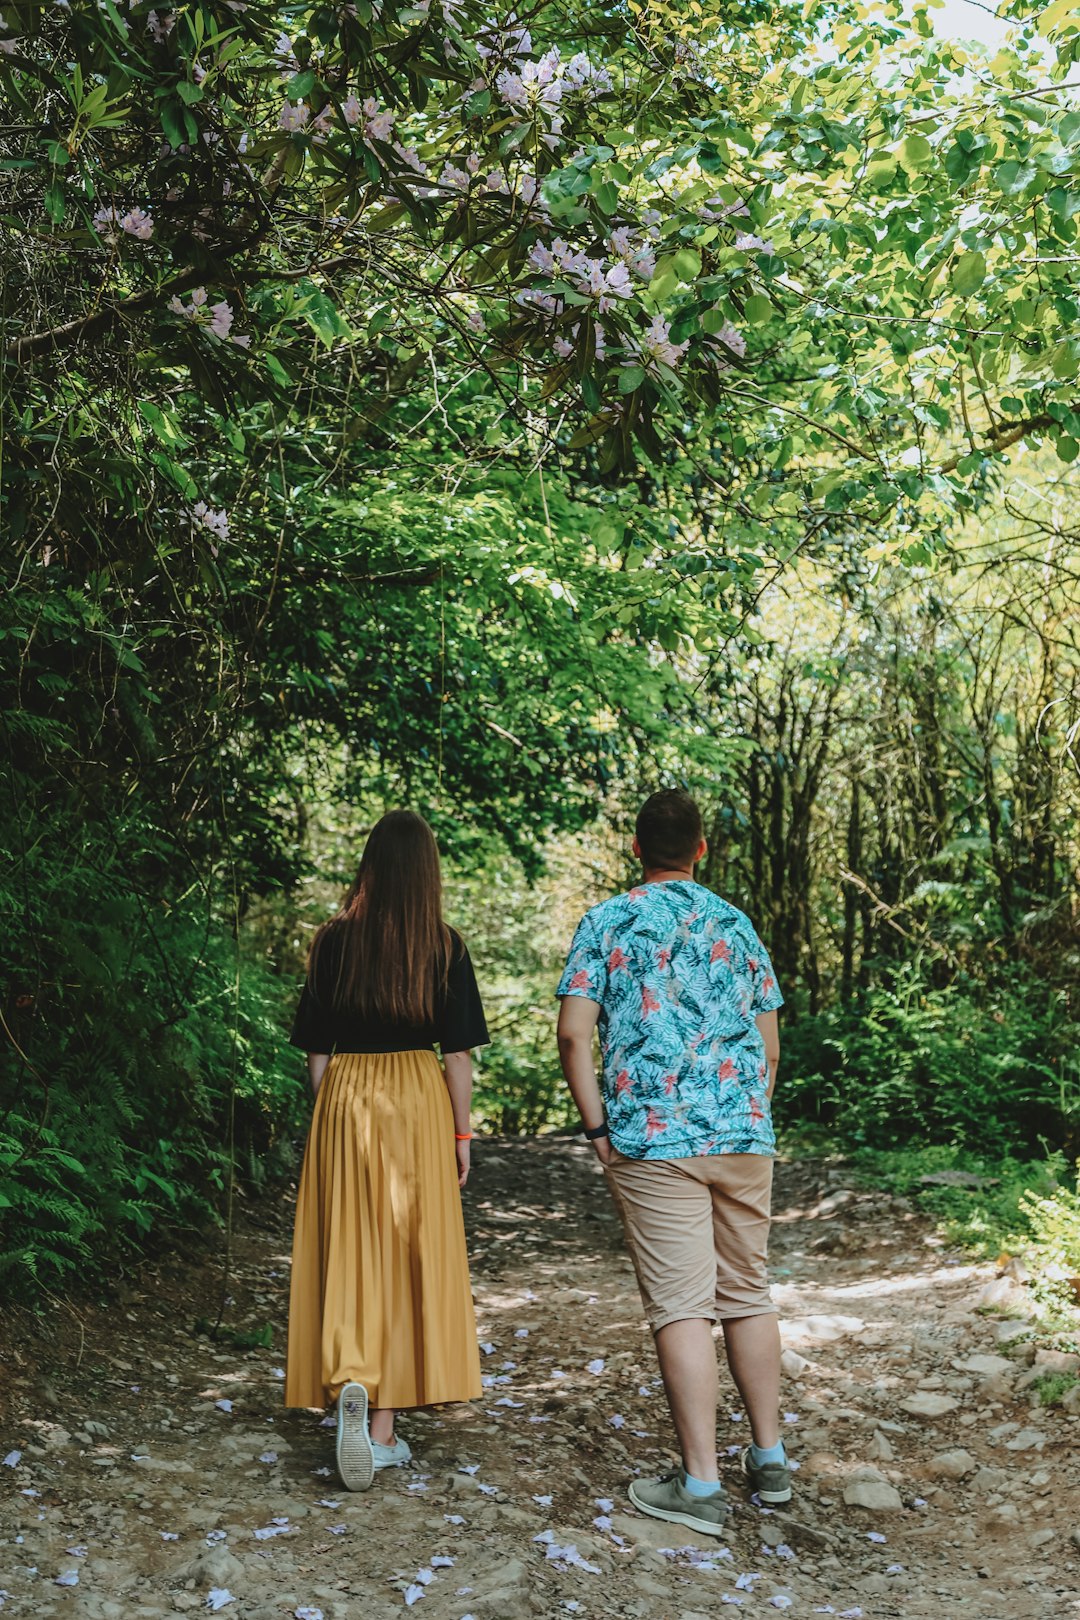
<point x="159" y="1468"/>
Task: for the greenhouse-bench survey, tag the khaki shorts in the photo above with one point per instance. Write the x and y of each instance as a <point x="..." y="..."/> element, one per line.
<point x="698" y="1233"/>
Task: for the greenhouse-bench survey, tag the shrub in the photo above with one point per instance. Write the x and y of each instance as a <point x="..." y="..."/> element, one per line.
<point x="975" y="1064"/>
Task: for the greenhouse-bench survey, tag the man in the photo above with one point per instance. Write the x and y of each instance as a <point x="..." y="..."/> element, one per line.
<point x="686" y="1001"/>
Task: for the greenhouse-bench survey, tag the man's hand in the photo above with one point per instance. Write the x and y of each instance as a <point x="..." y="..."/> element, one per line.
<point x="603" y="1149"/>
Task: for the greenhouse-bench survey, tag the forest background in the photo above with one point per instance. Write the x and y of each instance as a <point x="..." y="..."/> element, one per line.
<point x="504" y="414"/>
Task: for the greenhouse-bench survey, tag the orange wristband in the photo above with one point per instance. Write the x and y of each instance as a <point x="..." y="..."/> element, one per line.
<point x="467" y="1138"/>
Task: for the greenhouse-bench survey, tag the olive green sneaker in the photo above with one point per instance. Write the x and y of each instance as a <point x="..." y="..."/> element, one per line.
<point x="771" y="1481"/>
<point x="668" y="1498"/>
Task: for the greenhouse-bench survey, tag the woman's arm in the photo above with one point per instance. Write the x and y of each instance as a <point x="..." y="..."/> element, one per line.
<point x="769" y="1025"/>
<point x="457" y="1068"/>
<point x="316" y="1068"/>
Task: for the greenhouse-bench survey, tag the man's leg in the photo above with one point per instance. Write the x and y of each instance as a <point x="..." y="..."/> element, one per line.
<point x="741" y="1190"/>
<point x="753" y="1353"/>
<point x="687" y="1356"/>
<point x="668" y="1220"/>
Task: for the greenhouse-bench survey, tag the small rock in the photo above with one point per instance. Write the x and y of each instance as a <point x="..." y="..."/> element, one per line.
<point x="1041" y="1538"/>
<point x="1007" y="1332"/>
<point x="794" y="1364"/>
<point x="823" y="1328"/>
<point x="876" y="1494"/>
<point x="952" y="1465"/>
<point x="1057" y="1361"/>
<point x="1001" y="1293"/>
<point x="879" y="1448"/>
<point x="868" y="1487"/>
<point x="163" y="1465"/>
<point x="1074" y="1536"/>
<point x="874" y="1584"/>
<point x="1026" y="1440"/>
<point x="929" y="1405"/>
<point x="211" y="1566"/>
<point x="988" y="1366"/>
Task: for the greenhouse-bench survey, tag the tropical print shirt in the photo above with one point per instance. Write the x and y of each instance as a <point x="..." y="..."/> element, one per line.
<point x="680" y="976"/>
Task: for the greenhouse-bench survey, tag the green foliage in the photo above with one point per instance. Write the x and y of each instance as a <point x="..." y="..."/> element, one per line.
<point x="911" y="1065"/>
<point x="996" y="1207"/>
<point x="1051" y="1389"/>
<point x="1054" y="1221"/>
<point x="326" y="483"/>
<point x="134" y="1036"/>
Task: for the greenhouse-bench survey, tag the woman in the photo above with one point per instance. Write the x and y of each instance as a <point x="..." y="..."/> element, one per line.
<point x="380" y="1306"/>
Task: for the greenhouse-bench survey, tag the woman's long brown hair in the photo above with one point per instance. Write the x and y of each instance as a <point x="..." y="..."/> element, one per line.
<point x="394" y="953"/>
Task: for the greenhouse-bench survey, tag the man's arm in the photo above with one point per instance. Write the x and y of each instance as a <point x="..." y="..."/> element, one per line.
<point x="577" y="1021"/>
<point x="769" y="1025"/>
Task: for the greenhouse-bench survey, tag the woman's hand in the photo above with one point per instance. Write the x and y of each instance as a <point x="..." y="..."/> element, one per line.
<point x="463" y="1161"/>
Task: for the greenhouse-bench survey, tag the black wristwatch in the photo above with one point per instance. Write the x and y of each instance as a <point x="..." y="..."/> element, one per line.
<point x="595" y="1135"/>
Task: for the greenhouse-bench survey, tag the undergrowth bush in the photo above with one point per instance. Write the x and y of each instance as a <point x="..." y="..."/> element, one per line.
<point x="131" y="1033"/>
<point x="980" y="1064"/>
<point x="996" y="1207"/>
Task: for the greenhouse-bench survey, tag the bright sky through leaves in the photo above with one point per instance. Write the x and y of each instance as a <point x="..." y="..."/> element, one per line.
<point x="966" y="19"/>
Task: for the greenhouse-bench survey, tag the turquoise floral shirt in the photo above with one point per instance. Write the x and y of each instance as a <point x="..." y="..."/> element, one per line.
<point x="679" y="975"/>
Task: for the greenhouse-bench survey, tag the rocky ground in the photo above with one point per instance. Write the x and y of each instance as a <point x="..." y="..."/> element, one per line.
<point x="148" y="1471"/>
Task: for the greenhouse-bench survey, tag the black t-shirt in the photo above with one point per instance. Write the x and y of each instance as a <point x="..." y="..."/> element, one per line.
<point x="459" y="1021"/>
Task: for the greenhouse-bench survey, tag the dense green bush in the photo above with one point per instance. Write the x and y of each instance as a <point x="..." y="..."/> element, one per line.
<point x="133" y="1032"/>
<point x="983" y="1064"/>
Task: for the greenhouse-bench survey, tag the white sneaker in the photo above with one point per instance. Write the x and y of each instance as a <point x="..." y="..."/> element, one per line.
<point x="391" y="1456"/>
<point x="355" y="1454"/>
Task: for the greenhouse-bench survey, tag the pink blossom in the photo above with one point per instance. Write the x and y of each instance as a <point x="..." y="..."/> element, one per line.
<point x="657" y="347"/>
<point x="221" y="319"/>
<point x="553" y="134"/>
<point x="580" y="75"/>
<point x="379" y="124"/>
<point x="160" y="27"/>
<point x="410" y="156"/>
<point x="294" y="118"/>
<point x="511" y="88"/>
<point x="534" y="89"/>
<point x="10" y="47"/>
<point x="496" y="181"/>
<point x="106" y="224"/>
<point x="455" y="178"/>
<point x="136" y="222"/>
<point x="207" y="518"/>
<point x="733" y="339"/>
<point x="475" y="321"/>
<point x="284" y="53"/>
<point x="320" y="124"/>
<point x="748" y="243"/>
<point x="350" y="109"/>
<point x="617" y="281"/>
<point x="562" y="348"/>
<point x="541" y="258"/>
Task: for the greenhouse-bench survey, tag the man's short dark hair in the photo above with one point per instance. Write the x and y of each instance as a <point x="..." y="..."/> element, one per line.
<point x="669" y="830"/>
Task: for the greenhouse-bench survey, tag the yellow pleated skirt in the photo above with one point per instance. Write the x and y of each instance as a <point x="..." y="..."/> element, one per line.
<point x="380" y="1289"/>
